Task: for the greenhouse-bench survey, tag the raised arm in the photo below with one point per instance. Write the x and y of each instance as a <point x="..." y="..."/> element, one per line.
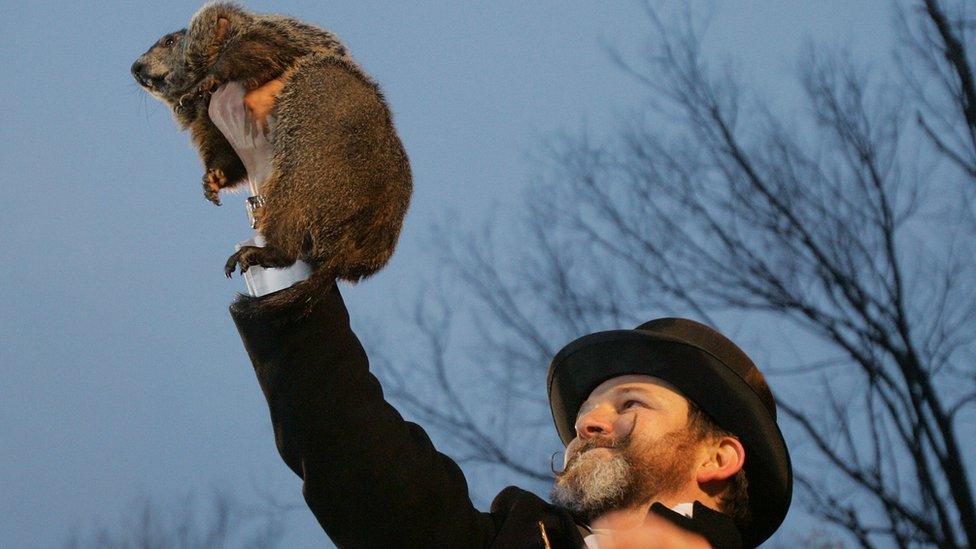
<point x="371" y="478"/>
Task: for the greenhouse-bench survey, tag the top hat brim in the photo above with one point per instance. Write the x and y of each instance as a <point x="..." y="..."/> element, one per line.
<point x="702" y="378"/>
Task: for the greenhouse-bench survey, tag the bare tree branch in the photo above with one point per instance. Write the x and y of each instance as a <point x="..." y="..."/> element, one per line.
<point x="839" y="228"/>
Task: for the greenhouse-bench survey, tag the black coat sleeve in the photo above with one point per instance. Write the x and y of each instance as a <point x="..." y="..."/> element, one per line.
<point x="371" y="478"/>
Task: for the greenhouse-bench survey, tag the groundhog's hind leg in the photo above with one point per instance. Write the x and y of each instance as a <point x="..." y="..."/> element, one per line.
<point x="248" y="256"/>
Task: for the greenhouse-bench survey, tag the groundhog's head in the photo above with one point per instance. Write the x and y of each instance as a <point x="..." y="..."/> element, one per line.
<point x="161" y="70"/>
<point x="209" y="29"/>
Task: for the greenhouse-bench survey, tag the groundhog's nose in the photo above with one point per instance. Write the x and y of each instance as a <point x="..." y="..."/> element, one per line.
<point x="137" y="68"/>
<point x="151" y="82"/>
<point x="139" y="72"/>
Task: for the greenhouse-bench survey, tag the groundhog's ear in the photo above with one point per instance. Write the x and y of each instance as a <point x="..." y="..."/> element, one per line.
<point x="222" y="25"/>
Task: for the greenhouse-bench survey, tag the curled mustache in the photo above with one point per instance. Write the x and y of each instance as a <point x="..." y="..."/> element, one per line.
<point x="605" y="442"/>
<point x="600" y="442"/>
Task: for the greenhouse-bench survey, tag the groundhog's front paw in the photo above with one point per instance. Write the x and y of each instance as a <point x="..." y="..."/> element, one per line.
<point x="206" y="87"/>
<point x="209" y="84"/>
<point x="242" y="257"/>
<point x="185" y="101"/>
<point x="213" y="181"/>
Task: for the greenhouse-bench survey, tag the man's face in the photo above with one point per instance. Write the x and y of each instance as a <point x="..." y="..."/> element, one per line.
<point x="632" y="446"/>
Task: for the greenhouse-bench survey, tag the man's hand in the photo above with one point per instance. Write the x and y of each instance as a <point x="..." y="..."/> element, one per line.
<point x="250" y="141"/>
<point x="260" y="102"/>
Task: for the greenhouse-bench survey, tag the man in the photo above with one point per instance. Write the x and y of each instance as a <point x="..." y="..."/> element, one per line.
<point x="636" y="447"/>
<point x="670" y="430"/>
<point x="698" y="425"/>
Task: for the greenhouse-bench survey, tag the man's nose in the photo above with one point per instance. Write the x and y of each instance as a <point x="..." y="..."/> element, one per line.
<point x="596" y="422"/>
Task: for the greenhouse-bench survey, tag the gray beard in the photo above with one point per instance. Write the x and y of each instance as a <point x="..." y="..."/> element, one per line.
<point x="594" y="484"/>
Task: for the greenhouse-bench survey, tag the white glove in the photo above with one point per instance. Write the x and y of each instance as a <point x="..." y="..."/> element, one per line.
<point x="249" y="141"/>
<point x="253" y="146"/>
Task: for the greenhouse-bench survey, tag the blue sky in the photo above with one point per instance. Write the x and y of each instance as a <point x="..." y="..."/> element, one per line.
<point x="121" y="371"/>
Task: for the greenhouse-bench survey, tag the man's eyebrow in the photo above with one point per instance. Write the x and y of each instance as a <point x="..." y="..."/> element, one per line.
<point x="632" y="389"/>
<point x="617" y="391"/>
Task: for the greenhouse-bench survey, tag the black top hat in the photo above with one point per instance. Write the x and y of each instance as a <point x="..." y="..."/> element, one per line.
<point x="709" y="370"/>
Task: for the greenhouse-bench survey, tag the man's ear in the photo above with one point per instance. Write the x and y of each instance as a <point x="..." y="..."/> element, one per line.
<point x="725" y="457"/>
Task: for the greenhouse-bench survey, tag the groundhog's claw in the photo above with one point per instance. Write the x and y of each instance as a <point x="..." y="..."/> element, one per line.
<point x="231" y="264"/>
<point x="213" y="181"/>
<point x="185" y="100"/>
<point x="243" y="257"/>
<point x="208" y="85"/>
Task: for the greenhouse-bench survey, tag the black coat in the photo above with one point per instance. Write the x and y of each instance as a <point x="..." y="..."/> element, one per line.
<point x="373" y="479"/>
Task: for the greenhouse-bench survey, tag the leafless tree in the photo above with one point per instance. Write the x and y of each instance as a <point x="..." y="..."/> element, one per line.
<point x="940" y="61"/>
<point x="845" y="224"/>
<point x="225" y="522"/>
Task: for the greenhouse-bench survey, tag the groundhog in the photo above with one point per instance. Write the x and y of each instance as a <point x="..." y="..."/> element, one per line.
<point x="341" y="181"/>
<point x="162" y="73"/>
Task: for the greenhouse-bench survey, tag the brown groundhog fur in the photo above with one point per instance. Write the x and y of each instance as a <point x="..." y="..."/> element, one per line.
<point x="341" y="182"/>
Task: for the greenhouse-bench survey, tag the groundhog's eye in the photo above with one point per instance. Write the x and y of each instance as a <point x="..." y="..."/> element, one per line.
<point x="169" y="41"/>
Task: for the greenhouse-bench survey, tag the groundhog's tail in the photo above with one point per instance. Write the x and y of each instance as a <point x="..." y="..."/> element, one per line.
<point x="293" y="302"/>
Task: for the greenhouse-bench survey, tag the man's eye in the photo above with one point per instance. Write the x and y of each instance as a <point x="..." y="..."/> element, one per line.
<point x="632" y="403"/>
